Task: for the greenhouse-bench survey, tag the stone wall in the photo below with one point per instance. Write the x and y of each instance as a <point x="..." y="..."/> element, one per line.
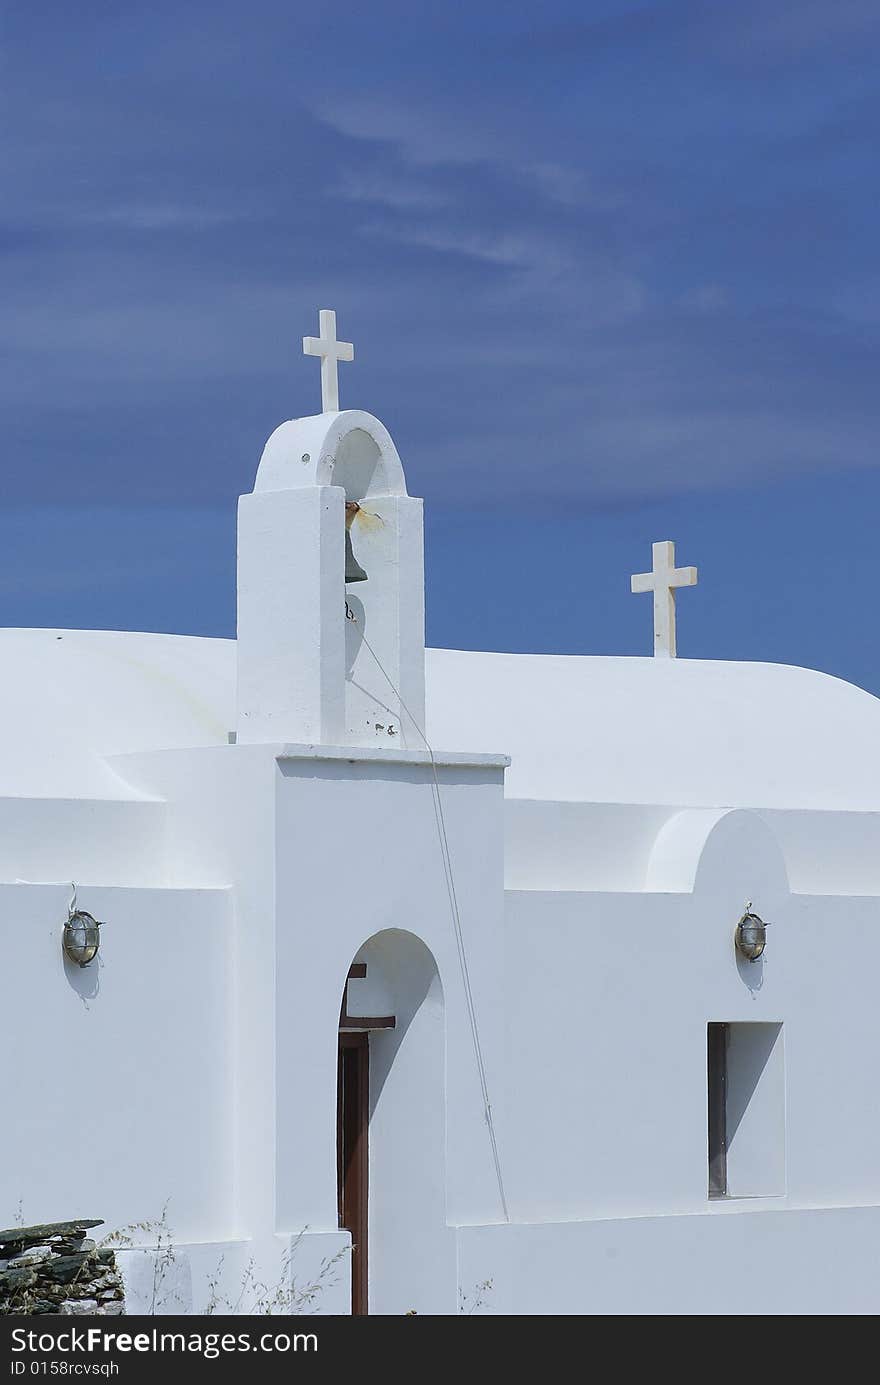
<point x="58" y="1269"/>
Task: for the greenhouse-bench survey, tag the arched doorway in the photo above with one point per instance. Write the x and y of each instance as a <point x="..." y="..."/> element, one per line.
<point x="391" y="1123"/>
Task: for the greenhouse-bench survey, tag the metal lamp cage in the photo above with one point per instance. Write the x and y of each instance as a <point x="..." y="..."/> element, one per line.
<point x="82" y="937"/>
<point x="751" y="935"/>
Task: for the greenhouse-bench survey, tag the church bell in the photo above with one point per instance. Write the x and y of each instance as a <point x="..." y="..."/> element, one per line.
<point x="353" y="570"/>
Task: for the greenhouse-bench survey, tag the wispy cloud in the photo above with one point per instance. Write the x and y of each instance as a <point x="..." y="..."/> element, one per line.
<point x="397" y="191"/>
<point x="636" y="241"/>
<point x="169" y="216"/>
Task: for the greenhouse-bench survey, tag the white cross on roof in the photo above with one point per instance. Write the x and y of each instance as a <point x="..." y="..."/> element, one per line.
<point x="662" y="581"/>
<point x="331" y="352"/>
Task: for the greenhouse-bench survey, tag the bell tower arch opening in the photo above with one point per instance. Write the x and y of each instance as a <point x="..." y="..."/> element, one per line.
<point x="359" y="467"/>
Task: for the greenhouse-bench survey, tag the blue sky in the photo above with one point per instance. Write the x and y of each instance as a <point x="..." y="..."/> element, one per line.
<point x="611" y="270"/>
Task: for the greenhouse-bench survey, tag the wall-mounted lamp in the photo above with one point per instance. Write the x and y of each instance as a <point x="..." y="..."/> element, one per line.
<point x="751" y="935"/>
<point x="82" y="935"/>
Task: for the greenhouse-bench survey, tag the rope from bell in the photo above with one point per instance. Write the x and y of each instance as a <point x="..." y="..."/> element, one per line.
<point x="456" y="915"/>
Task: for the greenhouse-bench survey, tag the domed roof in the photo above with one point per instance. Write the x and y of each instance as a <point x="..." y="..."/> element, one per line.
<point x="580" y="729"/>
<point x="68" y="698"/>
<point x="665" y="731"/>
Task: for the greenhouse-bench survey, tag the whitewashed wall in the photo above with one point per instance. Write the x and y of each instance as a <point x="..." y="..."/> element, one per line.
<point x="203" y="1068"/>
<point x="116" y="1078"/>
<point x="322" y="851"/>
<point x="761" y="1264"/>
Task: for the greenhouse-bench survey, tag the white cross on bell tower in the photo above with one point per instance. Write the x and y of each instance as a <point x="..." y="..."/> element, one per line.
<point x="331" y="352"/>
<point x="662" y="581"/>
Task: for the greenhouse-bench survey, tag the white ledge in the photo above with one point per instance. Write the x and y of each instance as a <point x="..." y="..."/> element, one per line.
<point x="391" y="755"/>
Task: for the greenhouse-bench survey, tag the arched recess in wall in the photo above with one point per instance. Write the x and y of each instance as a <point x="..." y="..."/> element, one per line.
<point x="363" y="469"/>
<point x="409" y="1265"/>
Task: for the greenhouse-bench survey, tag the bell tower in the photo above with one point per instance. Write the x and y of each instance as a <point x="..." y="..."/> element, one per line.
<point x="331" y="642"/>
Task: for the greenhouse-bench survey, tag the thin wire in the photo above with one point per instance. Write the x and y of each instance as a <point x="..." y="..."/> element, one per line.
<point x="456" y="916"/>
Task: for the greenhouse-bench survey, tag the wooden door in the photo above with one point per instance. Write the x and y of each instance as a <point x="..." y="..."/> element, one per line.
<point x="352" y="1155"/>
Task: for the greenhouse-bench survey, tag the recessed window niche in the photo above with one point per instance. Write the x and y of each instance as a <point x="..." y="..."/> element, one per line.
<point x="746" y="1107"/>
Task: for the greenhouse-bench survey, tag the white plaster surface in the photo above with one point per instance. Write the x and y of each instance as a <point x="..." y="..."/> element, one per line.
<point x="73" y="697"/>
<point x="350" y="448"/>
<point x="577" y="728"/>
<point x="679" y="731"/>
<point x="797" y="1263"/>
<point x="598" y="879"/>
<point x="117" y="1076"/>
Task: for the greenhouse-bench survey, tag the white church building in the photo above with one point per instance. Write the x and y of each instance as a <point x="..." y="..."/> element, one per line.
<point x="426" y="962"/>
